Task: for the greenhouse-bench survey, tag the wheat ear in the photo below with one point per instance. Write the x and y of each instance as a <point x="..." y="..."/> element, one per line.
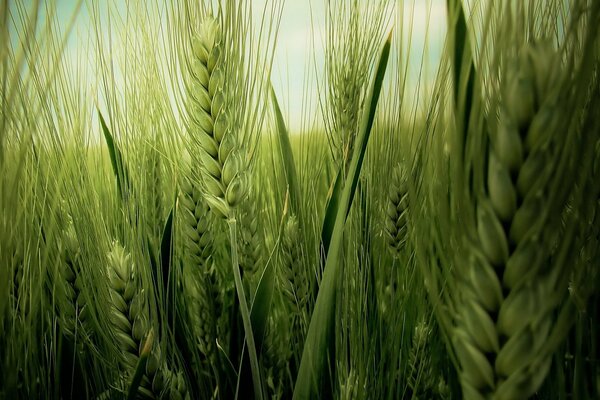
<point x="506" y="316"/>
<point x="396" y="225"/>
<point x="220" y="158"/>
<point x="130" y="318"/>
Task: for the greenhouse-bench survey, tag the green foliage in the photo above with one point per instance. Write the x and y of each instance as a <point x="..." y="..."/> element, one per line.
<point x="433" y="236"/>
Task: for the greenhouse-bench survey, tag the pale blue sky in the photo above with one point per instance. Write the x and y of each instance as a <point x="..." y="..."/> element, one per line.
<point x="295" y="47"/>
<point x="300" y="45"/>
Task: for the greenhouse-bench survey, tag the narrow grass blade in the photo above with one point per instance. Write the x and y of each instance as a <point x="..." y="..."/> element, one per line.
<point x="288" y="158"/>
<point x="116" y="159"/>
<point x="166" y="248"/>
<point x="162" y="277"/>
<point x="262" y="304"/>
<point x="316" y="346"/>
<point x="245" y="313"/>
<point x="463" y="68"/>
<point x="333" y="202"/>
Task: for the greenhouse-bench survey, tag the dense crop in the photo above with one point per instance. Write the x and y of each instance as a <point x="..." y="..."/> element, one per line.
<point x="163" y="234"/>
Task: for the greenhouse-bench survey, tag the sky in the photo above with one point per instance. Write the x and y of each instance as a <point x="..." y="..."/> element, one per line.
<point x="296" y="54"/>
<point x="300" y="50"/>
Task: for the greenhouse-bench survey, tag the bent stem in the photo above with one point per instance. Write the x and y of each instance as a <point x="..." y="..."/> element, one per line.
<point x="244" y="310"/>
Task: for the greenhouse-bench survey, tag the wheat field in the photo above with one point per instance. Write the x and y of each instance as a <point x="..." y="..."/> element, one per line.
<point x="431" y="230"/>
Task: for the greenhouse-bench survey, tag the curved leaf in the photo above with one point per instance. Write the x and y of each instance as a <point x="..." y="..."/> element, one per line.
<point x="317" y="345"/>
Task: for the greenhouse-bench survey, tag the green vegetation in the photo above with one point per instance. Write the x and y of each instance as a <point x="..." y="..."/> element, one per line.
<point x="164" y="235"/>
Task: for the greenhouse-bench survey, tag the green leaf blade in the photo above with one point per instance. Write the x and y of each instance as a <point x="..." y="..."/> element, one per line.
<point x="317" y="345"/>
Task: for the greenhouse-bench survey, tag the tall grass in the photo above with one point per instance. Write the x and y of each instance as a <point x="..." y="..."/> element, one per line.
<point x="432" y="234"/>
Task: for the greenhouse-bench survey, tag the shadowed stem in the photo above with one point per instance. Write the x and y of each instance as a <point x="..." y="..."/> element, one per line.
<point x="244" y="310"/>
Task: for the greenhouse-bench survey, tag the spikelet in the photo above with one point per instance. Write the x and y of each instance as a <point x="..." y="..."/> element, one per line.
<point x="250" y="240"/>
<point x="175" y="383"/>
<point x="396" y="225"/>
<point x="213" y="130"/>
<point x="502" y="319"/>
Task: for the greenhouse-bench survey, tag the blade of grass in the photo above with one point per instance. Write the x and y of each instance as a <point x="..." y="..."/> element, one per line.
<point x="316" y="346"/>
<point x="333" y="202"/>
<point x="266" y="287"/>
<point x="116" y="160"/>
<point x="245" y="313"/>
<point x="288" y="158"/>
<point x="161" y="267"/>
<point x="166" y="248"/>
<point x="463" y="68"/>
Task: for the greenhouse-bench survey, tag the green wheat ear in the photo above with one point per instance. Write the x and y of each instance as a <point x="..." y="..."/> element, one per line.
<point x="204" y="309"/>
<point x="213" y="131"/>
<point x="130" y="319"/>
<point x="506" y="318"/>
<point x="396" y="224"/>
<point x="200" y="282"/>
<point x="295" y="285"/>
<point x="74" y="309"/>
<point x="251" y="240"/>
<point x="197" y="222"/>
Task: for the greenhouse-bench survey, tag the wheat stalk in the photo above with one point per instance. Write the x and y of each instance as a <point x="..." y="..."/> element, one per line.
<point x="201" y="283"/>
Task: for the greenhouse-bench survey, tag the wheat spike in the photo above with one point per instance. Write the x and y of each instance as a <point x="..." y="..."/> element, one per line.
<point x="130" y="318"/>
<point x="203" y="309"/>
<point x="421" y="378"/>
<point x="396" y="225"/>
<point x="74" y="309"/>
<point x="295" y="285"/>
<point x="202" y="286"/>
<point x="213" y="130"/>
<point x="347" y="101"/>
<point x="177" y="386"/>
<point x="250" y="240"/>
<point x="504" y="322"/>
<point x="196" y="225"/>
